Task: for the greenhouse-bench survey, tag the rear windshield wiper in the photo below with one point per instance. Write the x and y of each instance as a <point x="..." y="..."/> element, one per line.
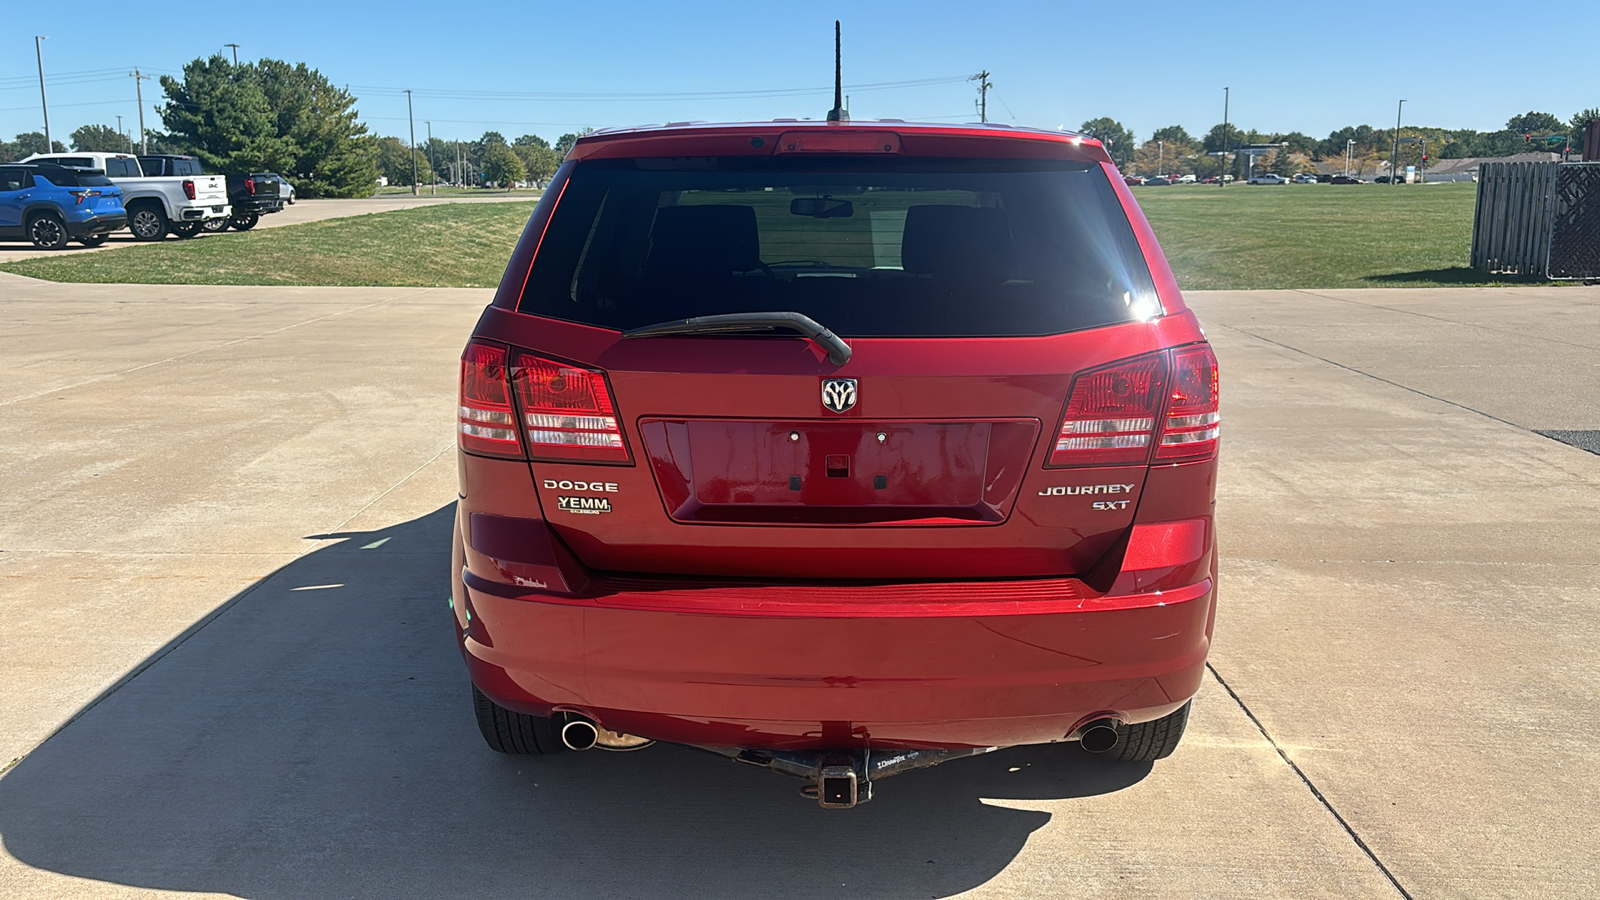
<point x="838" y="350"/>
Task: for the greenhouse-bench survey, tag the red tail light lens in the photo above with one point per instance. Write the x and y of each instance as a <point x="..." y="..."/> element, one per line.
<point x="1112" y="414"/>
<point x="487" y="424"/>
<point x="188" y="189"/>
<point x="1192" y="425"/>
<point x="78" y="197"/>
<point x="567" y="411"/>
<point x="250" y="185"/>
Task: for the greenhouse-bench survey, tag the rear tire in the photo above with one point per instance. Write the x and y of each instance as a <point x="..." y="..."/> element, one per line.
<point x="512" y="732"/>
<point x="215" y="226"/>
<point x="187" y="230"/>
<point x="244" y="221"/>
<point x="47" y="231"/>
<point x="148" y="222"/>
<point x="94" y="240"/>
<point x="1150" y="741"/>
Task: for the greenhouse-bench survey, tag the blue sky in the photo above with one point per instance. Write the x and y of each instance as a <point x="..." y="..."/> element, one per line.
<point x="1310" y="69"/>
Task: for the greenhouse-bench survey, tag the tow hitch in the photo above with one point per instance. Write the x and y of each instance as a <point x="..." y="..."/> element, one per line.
<point x="841" y="779"/>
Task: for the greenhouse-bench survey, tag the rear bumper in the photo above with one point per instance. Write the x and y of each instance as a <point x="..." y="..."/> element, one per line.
<point x="976" y="668"/>
<point x="201" y="213"/>
<point x="97" y="225"/>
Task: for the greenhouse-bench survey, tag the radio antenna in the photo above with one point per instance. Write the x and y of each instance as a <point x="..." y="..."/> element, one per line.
<point x="838" y="113"/>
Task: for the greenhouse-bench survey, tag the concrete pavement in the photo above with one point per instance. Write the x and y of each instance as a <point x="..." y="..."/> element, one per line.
<point x="223" y="564"/>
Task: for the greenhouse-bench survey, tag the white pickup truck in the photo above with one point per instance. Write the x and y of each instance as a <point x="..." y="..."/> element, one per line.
<point x="179" y="204"/>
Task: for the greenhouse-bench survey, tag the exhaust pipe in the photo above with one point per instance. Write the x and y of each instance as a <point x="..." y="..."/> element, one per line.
<point x="583" y="733"/>
<point x="1100" y="736"/>
<point x="579" y="734"/>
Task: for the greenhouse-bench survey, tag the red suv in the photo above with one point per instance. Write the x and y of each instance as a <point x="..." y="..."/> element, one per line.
<point x="840" y="449"/>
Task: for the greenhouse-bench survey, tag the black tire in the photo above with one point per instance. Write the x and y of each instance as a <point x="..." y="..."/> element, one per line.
<point x="148" y="222"/>
<point x="513" y="732"/>
<point x="94" y="240"/>
<point x="47" y="231"/>
<point x="215" y="226"/>
<point x="244" y="221"/>
<point x="1150" y="741"/>
<point x="187" y="230"/>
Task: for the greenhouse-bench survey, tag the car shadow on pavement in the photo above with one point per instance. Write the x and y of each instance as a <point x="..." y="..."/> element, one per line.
<point x="316" y="739"/>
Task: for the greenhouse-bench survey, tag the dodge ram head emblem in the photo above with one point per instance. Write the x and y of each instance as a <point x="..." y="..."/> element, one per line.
<point x="838" y="394"/>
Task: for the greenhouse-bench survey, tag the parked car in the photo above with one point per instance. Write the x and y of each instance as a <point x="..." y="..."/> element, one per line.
<point x="733" y="479"/>
<point x="1268" y="178"/>
<point x="1304" y="178"/>
<point x="1345" y="179"/>
<point x="157" y="205"/>
<point x="251" y="196"/>
<point x="51" y="205"/>
<point x="1134" y="180"/>
<point x="1158" y="181"/>
<point x="1184" y="179"/>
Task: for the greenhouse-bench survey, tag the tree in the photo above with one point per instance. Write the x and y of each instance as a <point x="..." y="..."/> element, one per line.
<point x="1579" y="122"/>
<point x="565" y="142"/>
<point x="538" y="157"/>
<point x="1172" y="134"/>
<point x="270" y="115"/>
<point x="394" y="161"/>
<point x="1117" y="140"/>
<point x="30" y="142"/>
<point x="99" y="138"/>
<point x="1536" y="123"/>
<point x="502" y="166"/>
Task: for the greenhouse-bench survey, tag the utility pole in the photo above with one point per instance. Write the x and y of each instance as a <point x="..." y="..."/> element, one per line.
<point x="1394" y="155"/>
<point x="43" y="104"/>
<point x="1222" y="180"/>
<point x="433" y="181"/>
<point x="138" y="91"/>
<point x="414" y="189"/>
<point x="982" y="78"/>
<point x="235" y="52"/>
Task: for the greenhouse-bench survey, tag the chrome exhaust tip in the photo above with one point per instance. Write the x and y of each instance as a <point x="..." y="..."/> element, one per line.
<point x="1100" y="736"/>
<point x="579" y="734"/>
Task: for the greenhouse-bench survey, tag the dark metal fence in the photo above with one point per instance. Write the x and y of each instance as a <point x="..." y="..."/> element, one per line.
<point x="1538" y="219"/>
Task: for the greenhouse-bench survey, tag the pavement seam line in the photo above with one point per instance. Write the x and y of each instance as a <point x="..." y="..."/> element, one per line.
<point x="205" y="620"/>
<point x="1310" y="785"/>
<point x="159" y="362"/>
<point x="1407" y="312"/>
<point x="1380" y="378"/>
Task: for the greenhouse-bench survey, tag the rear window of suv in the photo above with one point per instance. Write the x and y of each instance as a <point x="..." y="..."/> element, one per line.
<point x="868" y="248"/>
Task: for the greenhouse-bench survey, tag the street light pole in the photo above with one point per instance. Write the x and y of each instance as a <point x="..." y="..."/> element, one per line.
<point x="410" y="118"/>
<point x="1394" y="155"/>
<point x="1161" y="158"/>
<point x="1222" y="180"/>
<point x="235" y="52"/>
<point x="433" y="180"/>
<point x="44" y="104"/>
<point x="1349" y="150"/>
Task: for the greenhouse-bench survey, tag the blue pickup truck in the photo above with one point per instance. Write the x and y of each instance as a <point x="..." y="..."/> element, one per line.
<point x="51" y="205"/>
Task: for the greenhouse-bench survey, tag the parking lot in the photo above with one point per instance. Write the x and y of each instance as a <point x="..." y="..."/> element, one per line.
<point x="228" y="667"/>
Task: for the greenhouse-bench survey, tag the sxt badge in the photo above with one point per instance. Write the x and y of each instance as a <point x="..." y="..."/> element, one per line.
<point x="584" y="506"/>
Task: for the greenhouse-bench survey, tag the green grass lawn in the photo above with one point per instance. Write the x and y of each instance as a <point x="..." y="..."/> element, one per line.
<point x="1252" y="237"/>
<point x="1241" y="237"/>
<point x="448" y="245"/>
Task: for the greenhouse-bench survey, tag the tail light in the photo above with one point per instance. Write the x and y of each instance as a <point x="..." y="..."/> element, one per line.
<point x="1112" y="414"/>
<point x="78" y="197"/>
<point x="188" y="189"/>
<point x="1191" y="429"/>
<point x="567" y="411"/>
<point x="250" y="185"/>
<point x="487" y="424"/>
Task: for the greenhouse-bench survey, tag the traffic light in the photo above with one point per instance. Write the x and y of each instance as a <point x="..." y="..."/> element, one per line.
<point x="1527" y="138"/>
